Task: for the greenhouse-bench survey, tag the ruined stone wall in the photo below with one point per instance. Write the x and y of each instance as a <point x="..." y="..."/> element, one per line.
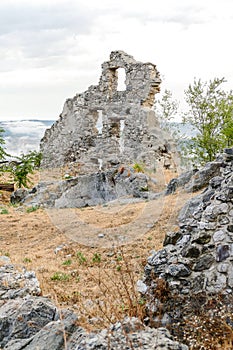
<point x="104" y="126"/>
<point x="198" y="258"/>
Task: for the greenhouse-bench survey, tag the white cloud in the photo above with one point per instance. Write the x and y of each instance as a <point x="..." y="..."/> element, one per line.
<point x="50" y="50"/>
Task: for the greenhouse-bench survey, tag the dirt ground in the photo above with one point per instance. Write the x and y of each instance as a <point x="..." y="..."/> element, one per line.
<point x="98" y="281"/>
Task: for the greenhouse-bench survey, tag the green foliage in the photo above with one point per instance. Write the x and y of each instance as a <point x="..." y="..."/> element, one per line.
<point x="4" y="253"/>
<point x="67" y="262"/>
<point x="211" y="113"/>
<point x="3" y="153"/>
<point x="23" y="167"/>
<point x="60" y="276"/>
<point x="36" y="158"/>
<point x="96" y="258"/>
<point x="27" y="260"/>
<point x="119" y="258"/>
<point x="166" y="108"/>
<point x="4" y="211"/>
<point x="142" y="301"/>
<point x="138" y="168"/>
<point x="81" y="258"/>
<point x="31" y="209"/>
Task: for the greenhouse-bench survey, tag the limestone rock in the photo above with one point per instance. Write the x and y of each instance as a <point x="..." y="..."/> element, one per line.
<point x="14" y="284"/>
<point x="196" y="180"/>
<point x="18" y="195"/>
<point x="198" y="258"/>
<point x="89" y="190"/>
<point x="32" y="322"/>
<point x="23" y="317"/>
<point x="130" y="334"/>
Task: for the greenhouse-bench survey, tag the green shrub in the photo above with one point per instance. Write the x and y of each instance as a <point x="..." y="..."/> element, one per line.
<point x="67" y="262"/>
<point x="31" y="209"/>
<point x="60" y="276"/>
<point x="96" y="258"/>
<point x="4" y="211"/>
<point x="81" y="258"/>
<point x="138" y="168"/>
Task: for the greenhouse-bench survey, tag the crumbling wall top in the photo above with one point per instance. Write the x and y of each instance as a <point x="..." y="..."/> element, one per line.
<point x="142" y="80"/>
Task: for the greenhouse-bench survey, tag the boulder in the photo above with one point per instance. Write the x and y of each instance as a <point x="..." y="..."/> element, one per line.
<point x="195" y="180"/>
<point x="89" y="190"/>
<point x="18" y="195"/>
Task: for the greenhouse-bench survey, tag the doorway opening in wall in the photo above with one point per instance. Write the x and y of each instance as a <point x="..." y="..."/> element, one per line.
<point x="121" y="78"/>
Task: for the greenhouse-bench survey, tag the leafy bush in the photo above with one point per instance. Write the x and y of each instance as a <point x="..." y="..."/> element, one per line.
<point x="24" y="166"/>
<point x="3" y="153"/>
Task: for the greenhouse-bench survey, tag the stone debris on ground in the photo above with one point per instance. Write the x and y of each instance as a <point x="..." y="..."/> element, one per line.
<point x="29" y="321"/>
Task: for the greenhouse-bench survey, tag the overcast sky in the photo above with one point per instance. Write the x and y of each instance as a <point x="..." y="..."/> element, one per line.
<point x="52" y="49"/>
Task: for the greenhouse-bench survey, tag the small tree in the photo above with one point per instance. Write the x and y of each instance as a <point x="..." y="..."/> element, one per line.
<point x="227" y="127"/>
<point x="166" y="108"/>
<point x="24" y="166"/>
<point x="3" y="153"/>
<point x="211" y="113"/>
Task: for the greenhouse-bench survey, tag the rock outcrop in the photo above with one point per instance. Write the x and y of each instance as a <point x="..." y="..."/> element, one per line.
<point x="197" y="259"/>
<point x="29" y="321"/>
<point x="105" y="125"/>
<point x="85" y="190"/>
<point x="195" y="180"/>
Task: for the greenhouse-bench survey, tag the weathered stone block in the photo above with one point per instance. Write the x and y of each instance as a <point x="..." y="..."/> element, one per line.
<point x="178" y="270"/>
<point x="203" y="263"/>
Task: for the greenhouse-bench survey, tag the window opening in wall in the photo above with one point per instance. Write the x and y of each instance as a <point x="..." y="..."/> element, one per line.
<point x="121" y="139"/>
<point x="121" y="79"/>
<point x="99" y="124"/>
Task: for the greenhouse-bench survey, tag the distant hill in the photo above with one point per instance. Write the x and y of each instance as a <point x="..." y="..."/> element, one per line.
<point x="22" y="136"/>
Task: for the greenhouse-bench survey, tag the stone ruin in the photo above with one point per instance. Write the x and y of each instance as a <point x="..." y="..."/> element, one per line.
<point x="107" y="125"/>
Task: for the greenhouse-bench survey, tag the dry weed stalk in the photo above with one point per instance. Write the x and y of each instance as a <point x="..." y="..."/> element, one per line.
<point x="117" y="297"/>
<point x="61" y="319"/>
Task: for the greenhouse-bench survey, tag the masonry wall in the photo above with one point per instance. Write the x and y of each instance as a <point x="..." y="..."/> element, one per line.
<point x="104" y="126"/>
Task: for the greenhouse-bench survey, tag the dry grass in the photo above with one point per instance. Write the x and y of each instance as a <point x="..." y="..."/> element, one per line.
<point x="101" y="287"/>
<point x="206" y="323"/>
<point x="96" y="282"/>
